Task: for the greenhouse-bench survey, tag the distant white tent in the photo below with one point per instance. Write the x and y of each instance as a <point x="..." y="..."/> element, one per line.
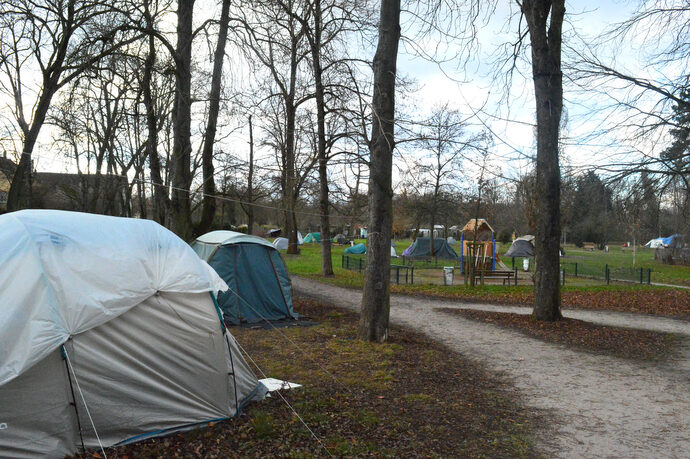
<point x="300" y="240"/>
<point x="109" y="334"/>
<point x="280" y="243"/>
<point x="655" y="243"/>
<point x="394" y="254"/>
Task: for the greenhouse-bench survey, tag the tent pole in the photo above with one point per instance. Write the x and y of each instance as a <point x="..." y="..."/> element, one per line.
<point x="74" y="400"/>
<point x="232" y="368"/>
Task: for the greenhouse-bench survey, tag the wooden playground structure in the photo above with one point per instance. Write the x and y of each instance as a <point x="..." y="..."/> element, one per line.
<point x="478" y="254"/>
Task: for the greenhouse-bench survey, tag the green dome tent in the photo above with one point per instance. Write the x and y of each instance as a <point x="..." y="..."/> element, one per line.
<point x="260" y="288"/>
<point x="312" y="237"/>
<point x="357" y="249"/>
<point x="421" y="248"/>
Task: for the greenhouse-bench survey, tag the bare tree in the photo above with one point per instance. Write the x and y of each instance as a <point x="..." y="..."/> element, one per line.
<point x="209" y="188"/>
<point x="373" y="324"/>
<point x="275" y="42"/>
<point x="59" y="40"/>
<point x="445" y="143"/>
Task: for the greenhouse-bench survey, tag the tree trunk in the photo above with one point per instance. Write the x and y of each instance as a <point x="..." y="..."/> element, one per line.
<point x="545" y="32"/>
<point x="182" y="146"/>
<point x="290" y="179"/>
<point x="250" y="180"/>
<point x="373" y="324"/>
<point x="160" y="192"/>
<point x="19" y="196"/>
<point x="326" y="261"/>
<point x="208" y="208"/>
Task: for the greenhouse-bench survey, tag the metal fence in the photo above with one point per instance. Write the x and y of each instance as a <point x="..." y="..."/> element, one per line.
<point x="399" y="274"/>
<point x="606" y="273"/>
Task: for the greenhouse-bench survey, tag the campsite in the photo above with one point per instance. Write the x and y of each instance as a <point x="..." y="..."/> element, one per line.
<point x="333" y="228"/>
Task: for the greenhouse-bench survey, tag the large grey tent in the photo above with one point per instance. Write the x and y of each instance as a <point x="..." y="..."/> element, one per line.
<point x="111" y="315"/>
<point x="258" y="281"/>
<point x="421" y="248"/>
<point x="522" y="248"/>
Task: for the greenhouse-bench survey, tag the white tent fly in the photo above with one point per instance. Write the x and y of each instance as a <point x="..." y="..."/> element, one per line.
<point x="280" y="243"/>
<point x="655" y="243"/>
<point x="394" y="254"/>
<point x="109" y="334"/>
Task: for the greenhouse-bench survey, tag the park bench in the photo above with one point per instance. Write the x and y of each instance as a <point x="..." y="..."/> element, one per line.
<point x="589" y="246"/>
<point x="504" y="275"/>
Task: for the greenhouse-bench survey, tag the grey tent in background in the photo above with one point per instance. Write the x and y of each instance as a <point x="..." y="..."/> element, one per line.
<point x="340" y="239"/>
<point x="451" y="240"/>
<point x="521" y="248"/>
<point x="421" y="248"/>
<point x="114" y="315"/>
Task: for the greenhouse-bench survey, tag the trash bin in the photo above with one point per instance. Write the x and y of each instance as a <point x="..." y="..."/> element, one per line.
<point x="448" y="275"/>
<point x="525" y="264"/>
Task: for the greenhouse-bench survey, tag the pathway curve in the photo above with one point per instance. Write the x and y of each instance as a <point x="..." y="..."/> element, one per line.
<point x="604" y="406"/>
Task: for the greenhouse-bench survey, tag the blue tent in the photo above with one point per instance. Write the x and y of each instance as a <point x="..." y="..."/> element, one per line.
<point x="357" y="249"/>
<point x="258" y="281"/>
<point x="669" y="241"/>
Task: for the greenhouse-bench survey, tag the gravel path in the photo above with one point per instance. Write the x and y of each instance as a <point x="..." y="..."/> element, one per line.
<point x="603" y="406"/>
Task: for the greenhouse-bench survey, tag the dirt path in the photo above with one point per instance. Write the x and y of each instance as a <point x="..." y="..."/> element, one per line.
<point x="603" y="406"/>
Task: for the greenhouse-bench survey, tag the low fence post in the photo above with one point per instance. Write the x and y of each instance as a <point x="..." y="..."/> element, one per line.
<point x="397" y="275"/>
<point x="649" y="276"/>
<point x="360" y="265"/>
<point x="575" y="269"/>
<point x="516" y="272"/>
<point x="412" y="276"/>
<point x="607" y="274"/>
<point x="641" y="274"/>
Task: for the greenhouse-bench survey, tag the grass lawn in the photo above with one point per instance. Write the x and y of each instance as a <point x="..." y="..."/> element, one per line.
<point x="409" y="397"/>
<point x="620" y="297"/>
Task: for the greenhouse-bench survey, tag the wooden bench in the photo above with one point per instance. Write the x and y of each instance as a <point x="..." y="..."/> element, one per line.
<point x="505" y="275"/>
<point x="589" y="246"/>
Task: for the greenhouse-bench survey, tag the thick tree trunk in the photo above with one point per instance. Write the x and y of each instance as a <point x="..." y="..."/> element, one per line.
<point x="208" y="208"/>
<point x="373" y="324"/>
<point x="545" y="36"/>
<point x="326" y="261"/>
<point x="182" y="147"/>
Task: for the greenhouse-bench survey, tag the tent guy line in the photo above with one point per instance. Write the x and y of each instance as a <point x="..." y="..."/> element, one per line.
<point x="288" y="339"/>
<point x="81" y="394"/>
<point x="238" y="201"/>
<point x="286" y="402"/>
